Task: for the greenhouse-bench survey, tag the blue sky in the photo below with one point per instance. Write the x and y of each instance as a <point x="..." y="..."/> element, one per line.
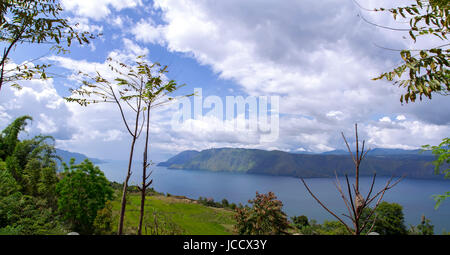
<point x="318" y="57"/>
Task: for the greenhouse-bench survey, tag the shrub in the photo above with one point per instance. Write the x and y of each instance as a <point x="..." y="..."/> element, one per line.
<point x="265" y="217"/>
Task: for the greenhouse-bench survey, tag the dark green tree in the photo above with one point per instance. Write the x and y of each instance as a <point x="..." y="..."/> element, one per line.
<point x="300" y="221"/>
<point x="82" y="192"/>
<point x="265" y="217"/>
<point x="31" y="162"/>
<point x="27" y="182"/>
<point x="103" y="220"/>
<point x="389" y="219"/>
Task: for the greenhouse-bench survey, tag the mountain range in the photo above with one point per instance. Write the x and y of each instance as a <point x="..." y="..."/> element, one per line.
<point x="67" y="155"/>
<point x="385" y="162"/>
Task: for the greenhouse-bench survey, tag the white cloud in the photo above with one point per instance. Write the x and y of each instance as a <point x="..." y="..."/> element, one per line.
<point x="147" y="32"/>
<point x="98" y="9"/>
<point x="405" y="134"/>
<point x="318" y="62"/>
<point x="400" y="117"/>
<point x="134" y="48"/>
<point x="318" y="56"/>
<point x="385" y="119"/>
<point x="40" y="100"/>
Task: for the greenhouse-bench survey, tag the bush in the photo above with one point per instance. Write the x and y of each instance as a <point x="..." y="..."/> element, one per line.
<point x="424" y="228"/>
<point x="389" y="219"/>
<point x="300" y="222"/>
<point x="327" y="228"/>
<point x="103" y="220"/>
<point x="83" y="191"/>
<point x="265" y="217"/>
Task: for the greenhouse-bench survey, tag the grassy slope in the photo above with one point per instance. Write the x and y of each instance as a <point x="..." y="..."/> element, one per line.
<point x="185" y="216"/>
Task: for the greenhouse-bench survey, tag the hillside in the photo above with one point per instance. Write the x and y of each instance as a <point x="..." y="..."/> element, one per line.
<point x="383" y="162"/>
<point x="67" y="155"/>
<point x="173" y="215"/>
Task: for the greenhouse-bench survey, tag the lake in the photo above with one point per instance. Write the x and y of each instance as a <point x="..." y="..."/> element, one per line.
<point x="413" y="194"/>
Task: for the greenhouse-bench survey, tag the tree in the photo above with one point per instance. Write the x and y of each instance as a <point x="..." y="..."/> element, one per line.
<point x="35" y="22"/>
<point x="300" y="221"/>
<point x="156" y="93"/>
<point x="423" y="71"/>
<point x="424" y="228"/>
<point x="32" y="162"/>
<point x="82" y="192"/>
<point x="27" y="182"/>
<point x="141" y="88"/>
<point x="356" y="203"/>
<point x="389" y="219"/>
<point x="265" y="217"/>
<point x="429" y="69"/>
<point x="103" y="220"/>
<point x="127" y="89"/>
<point x="441" y="165"/>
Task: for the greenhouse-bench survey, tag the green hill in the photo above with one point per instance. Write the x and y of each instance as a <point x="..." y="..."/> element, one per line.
<point x="174" y="215"/>
<point x="252" y="161"/>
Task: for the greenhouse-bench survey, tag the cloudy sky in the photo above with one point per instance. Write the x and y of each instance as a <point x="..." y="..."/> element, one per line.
<point x="317" y="56"/>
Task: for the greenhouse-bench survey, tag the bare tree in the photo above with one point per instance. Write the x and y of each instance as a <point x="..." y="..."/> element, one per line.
<point x="355" y="202"/>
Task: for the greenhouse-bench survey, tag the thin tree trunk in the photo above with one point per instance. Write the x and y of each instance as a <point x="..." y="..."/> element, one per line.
<point x="125" y="187"/>
<point x="130" y="161"/>
<point x="144" y="174"/>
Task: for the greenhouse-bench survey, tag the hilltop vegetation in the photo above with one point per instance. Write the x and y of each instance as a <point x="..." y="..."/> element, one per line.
<point x="254" y="161"/>
<point x="169" y="215"/>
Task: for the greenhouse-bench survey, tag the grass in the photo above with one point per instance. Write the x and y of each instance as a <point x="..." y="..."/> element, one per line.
<point x="174" y="215"/>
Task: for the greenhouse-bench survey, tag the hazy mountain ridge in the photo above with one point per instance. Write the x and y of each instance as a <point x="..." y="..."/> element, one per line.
<point x="67" y="155"/>
<point x="385" y="162"/>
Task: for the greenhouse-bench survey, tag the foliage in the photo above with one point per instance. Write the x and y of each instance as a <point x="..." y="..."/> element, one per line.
<point x="27" y="183"/>
<point x="300" y="221"/>
<point x="9" y="137"/>
<point x="133" y="84"/>
<point x="28" y="215"/>
<point x="83" y="191"/>
<point x="265" y="217"/>
<point x="428" y="70"/>
<point x="441" y="165"/>
<point x="424" y="228"/>
<point x="30" y="162"/>
<point x="210" y="202"/>
<point x="8" y="185"/>
<point x="142" y="86"/>
<point x="326" y="228"/>
<point x="389" y="219"/>
<point x="103" y="220"/>
<point x="36" y="22"/>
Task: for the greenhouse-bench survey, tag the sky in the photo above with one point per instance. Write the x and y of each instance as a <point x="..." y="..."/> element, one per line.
<point x="318" y="57"/>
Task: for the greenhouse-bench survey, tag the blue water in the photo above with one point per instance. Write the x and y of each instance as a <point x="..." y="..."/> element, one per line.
<point x="413" y="194"/>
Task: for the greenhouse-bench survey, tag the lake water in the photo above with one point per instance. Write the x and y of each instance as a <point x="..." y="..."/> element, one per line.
<point x="413" y="194"/>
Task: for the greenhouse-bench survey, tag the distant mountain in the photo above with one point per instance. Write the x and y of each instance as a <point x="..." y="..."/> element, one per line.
<point x="385" y="162"/>
<point x="67" y="155"/>
<point x="383" y="152"/>
<point x="180" y="158"/>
